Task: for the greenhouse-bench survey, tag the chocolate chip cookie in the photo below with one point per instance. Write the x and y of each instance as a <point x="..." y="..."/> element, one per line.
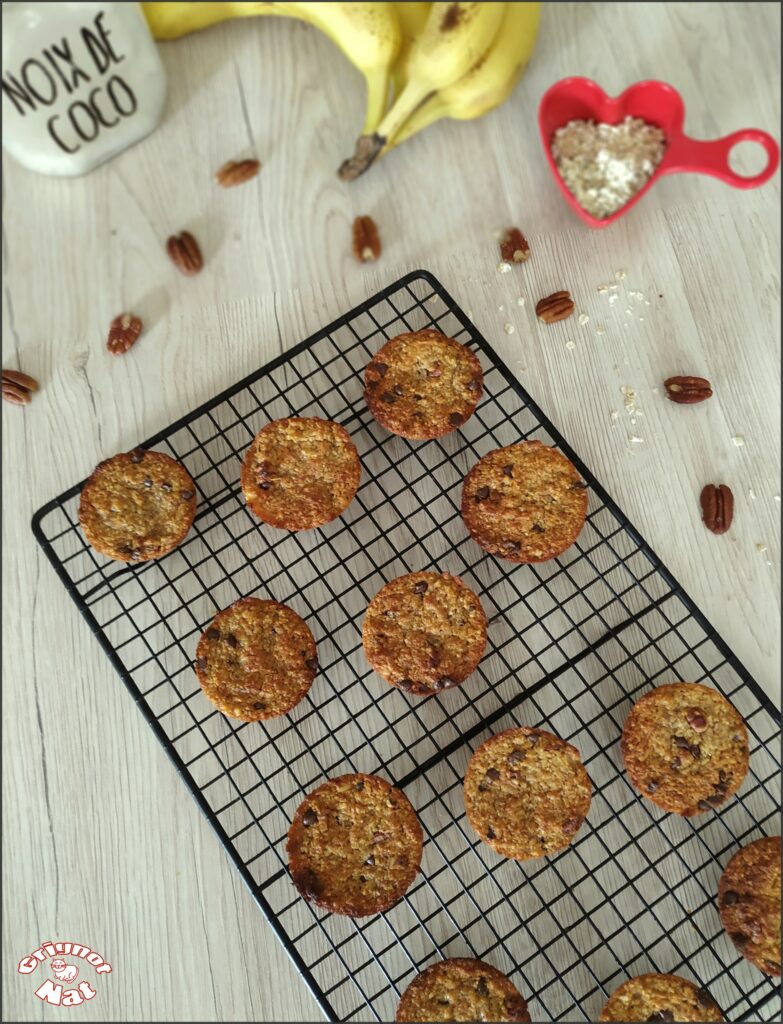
<point x="354" y="846"/>
<point x="526" y="502"/>
<point x="660" y="997"/>
<point x="685" y="747"/>
<point x="424" y="632"/>
<point x="422" y="385"/>
<point x="461" y="990"/>
<point x="749" y="902"/>
<point x="300" y="473"/>
<point x="526" y="793"/>
<point x="256" y="660"/>
<point x="137" y="505"/>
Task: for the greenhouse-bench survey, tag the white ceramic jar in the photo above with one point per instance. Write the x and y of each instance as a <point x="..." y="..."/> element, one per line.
<point x="81" y="82"/>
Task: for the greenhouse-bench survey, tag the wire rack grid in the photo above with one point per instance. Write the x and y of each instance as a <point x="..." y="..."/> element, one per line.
<point x="572" y="644"/>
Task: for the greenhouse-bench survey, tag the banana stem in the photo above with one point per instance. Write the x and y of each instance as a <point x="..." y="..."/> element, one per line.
<point x="369" y="146"/>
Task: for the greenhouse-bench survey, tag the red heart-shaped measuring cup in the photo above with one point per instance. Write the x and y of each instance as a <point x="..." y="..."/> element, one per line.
<point x="656" y="103"/>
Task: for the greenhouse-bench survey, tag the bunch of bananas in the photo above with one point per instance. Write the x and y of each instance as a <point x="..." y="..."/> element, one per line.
<point x="421" y="61"/>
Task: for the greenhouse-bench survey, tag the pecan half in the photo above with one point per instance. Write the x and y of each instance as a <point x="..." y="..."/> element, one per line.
<point x="184" y="253"/>
<point x="555" y="307"/>
<point x="237" y="172"/>
<point x="123" y="332"/>
<point x="717" y="507"/>
<point x="366" y="243"/>
<point x="514" y="247"/>
<point x="687" y="390"/>
<point x="18" y="387"/>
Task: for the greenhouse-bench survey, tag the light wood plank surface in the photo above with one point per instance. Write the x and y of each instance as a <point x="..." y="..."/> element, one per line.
<point x="102" y="843"/>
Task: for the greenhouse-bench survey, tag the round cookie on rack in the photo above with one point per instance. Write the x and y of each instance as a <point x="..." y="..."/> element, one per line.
<point x="423" y="385"/>
<point x="137" y="505"/>
<point x="300" y="473"/>
<point x="660" y="997"/>
<point x="354" y="846"/>
<point x="424" y="632"/>
<point x="685" y="747"/>
<point x="256" y="660"/>
<point x="526" y="793"/>
<point x="749" y="902"/>
<point x="525" y="502"/>
<point x="461" y="990"/>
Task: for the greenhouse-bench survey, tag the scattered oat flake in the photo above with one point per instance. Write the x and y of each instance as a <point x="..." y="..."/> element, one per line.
<point x="636" y="440"/>
<point x="776" y="497"/>
<point x="761" y="548"/>
<point x="570" y="345"/>
<point x="603" y="289"/>
<point x="647" y="302"/>
<point x="615" y="414"/>
<point x="599" y="330"/>
<point x="520" y="301"/>
<point x="619" y="275"/>
<point x="739" y="441"/>
<point x="641" y="319"/>
<point x="751" y="494"/>
<point x="509" y="328"/>
<point x="583" y="318"/>
<point x="612" y="299"/>
<point x="504" y="267"/>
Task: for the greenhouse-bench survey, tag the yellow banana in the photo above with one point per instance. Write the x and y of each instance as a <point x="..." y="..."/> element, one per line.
<point x="453" y="39"/>
<point x="412" y="17"/>
<point x="488" y="83"/>
<point x="367" y="33"/>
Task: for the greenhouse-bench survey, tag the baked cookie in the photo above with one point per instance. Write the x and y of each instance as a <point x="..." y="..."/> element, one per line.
<point x="526" y="502"/>
<point x="526" y="793"/>
<point x="424" y="632"/>
<point x="461" y="990"/>
<point x="354" y="846"/>
<point x="660" y="997"/>
<point x="256" y="660"/>
<point x="300" y="473"/>
<point x="749" y="903"/>
<point x="685" y="747"/>
<point x="137" y="505"/>
<point x="422" y="385"/>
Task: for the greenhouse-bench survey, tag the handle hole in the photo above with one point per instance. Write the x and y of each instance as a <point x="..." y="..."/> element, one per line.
<point x="747" y="159"/>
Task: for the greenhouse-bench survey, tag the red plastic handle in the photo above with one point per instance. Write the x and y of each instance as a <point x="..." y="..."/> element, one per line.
<point x="686" y="154"/>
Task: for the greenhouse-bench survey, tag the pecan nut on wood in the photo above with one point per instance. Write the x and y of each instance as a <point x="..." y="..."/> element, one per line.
<point x="717" y="507"/>
<point x="557" y="306"/>
<point x="687" y="390"/>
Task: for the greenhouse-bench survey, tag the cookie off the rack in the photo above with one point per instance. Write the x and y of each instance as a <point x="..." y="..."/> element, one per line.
<point x="422" y="385"/>
<point x="256" y="660"/>
<point x="525" y="502"/>
<point x="749" y="902"/>
<point x="137" y="505"/>
<point x="300" y="473"/>
<point x="660" y="997"/>
<point x="461" y="989"/>
<point x="354" y="846"/>
<point x="526" y="793"/>
<point x="685" y="747"/>
<point x="424" y="632"/>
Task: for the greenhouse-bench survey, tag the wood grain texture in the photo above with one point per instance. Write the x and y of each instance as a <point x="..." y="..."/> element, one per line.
<point x="102" y="843"/>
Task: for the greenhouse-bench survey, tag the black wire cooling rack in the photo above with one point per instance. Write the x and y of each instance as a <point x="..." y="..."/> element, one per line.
<point x="572" y="644"/>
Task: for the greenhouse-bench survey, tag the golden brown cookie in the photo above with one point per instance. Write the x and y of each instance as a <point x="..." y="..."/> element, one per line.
<point x="461" y="990"/>
<point x="526" y="793"/>
<point x="660" y="997"/>
<point x="685" y="747"/>
<point x="749" y="902"/>
<point x="526" y="502"/>
<point x="300" y="473"/>
<point x="422" y="385"/>
<point x="424" y="632"/>
<point x="354" y="846"/>
<point x="256" y="660"/>
<point x="137" y="505"/>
